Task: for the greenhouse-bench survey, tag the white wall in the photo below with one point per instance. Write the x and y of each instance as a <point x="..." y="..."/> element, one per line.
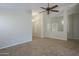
<point x="73" y="31"/>
<point x="70" y="27"/>
<point x="15" y="27"/>
<point x="76" y="26"/>
<point x="73" y="20"/>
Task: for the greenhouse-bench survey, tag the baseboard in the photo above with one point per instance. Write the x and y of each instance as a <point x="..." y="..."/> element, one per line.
<point x="14" y="44"/>
<point x="57" y="38"/>
<point x="74" y="38"/>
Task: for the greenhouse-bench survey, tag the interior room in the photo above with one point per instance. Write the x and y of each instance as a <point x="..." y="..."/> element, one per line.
<point x="39" y="29"/>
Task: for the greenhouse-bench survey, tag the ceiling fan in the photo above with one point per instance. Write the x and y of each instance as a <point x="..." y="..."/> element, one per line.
<point x="48" y="9"/>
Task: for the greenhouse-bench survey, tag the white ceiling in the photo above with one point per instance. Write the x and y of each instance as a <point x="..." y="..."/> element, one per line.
<point x="33" y="6"/>
<point x="15" y="6"/>
<point x="61" y="7"/>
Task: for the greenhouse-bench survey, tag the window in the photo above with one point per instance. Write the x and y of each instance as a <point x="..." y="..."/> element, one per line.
<point x="57" y="24"/>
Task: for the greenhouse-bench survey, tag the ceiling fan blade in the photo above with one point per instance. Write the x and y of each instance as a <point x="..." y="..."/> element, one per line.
<point x="55" y="10"/>
<point x="42" y="11"/>
<point x="43" y="8"/>
<point x="54" y="7"/>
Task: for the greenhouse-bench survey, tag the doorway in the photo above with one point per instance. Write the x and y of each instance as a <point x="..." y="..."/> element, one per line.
<point x="36" y="24"/>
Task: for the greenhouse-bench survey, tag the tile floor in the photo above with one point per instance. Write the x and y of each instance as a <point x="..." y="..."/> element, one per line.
<point x="44" y="47"/>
